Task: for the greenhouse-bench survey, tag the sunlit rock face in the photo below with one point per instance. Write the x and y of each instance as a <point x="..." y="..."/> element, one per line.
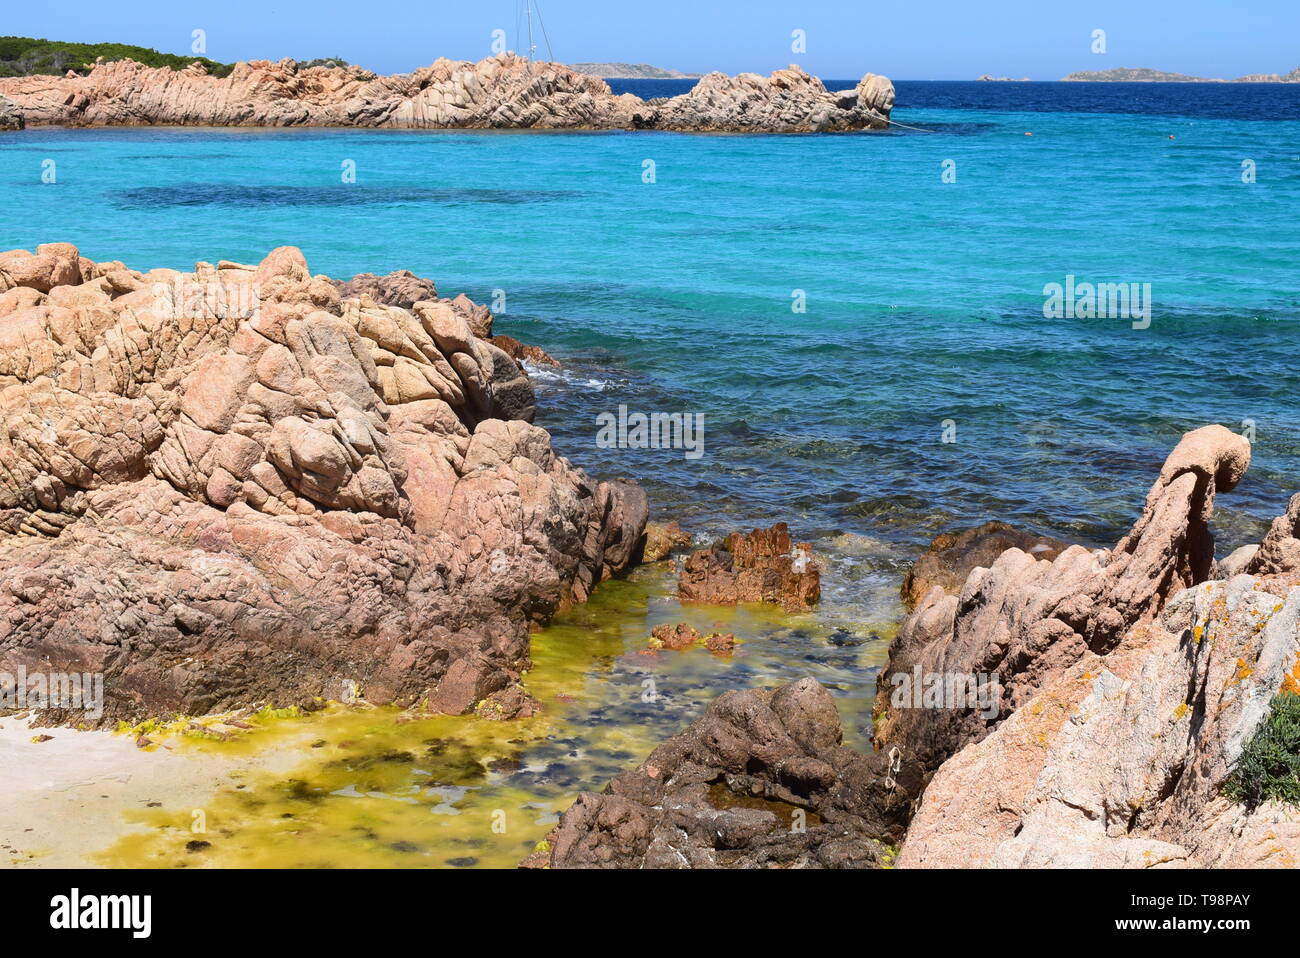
<point x="236" y="485"/>
<point x="500" y="92"/>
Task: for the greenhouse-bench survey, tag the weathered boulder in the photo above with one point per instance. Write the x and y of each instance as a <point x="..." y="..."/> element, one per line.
<point x="1279" y="553"/>
<point x="952" y="557"/>
<point x="235" y="485"/>
<point x="759" y="566"/>
<point x="761" y="780"/>
<point x="501" y="92"/>
<point x="1023" y="622"/>
<point x="661" y="539"/>
<point x="521" y="352"/>
<point x="400" y="288"/>
<point x="1121" y="761"/>
<point x="10" y="117"/>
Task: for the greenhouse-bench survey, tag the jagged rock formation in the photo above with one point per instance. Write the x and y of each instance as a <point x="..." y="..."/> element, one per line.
<point x="1026" y="621"/>
<point x="505" y="92"/>
<point x="1279" y="553"/>
<point x="1121" y="760"/>
<point x="788" y="100"/>
<point x="235" y="485"/>
<point x="761" y="780"/>
<point x="662" y="539"/>
<point x="10" y="117"/>
<point x="951" y="558"/>
<point x="759" y="566"/>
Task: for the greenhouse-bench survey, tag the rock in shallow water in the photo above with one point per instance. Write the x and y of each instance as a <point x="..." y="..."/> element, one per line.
<point x="759" y="566"/>
<point x="235" y="485"/>
<point x="761" y="780"/>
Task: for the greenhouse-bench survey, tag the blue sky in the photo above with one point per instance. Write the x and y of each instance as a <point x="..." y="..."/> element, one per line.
<point x="904" y="39"/>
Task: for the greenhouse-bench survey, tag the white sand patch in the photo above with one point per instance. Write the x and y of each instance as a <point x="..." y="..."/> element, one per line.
<point x="66" y="799"/>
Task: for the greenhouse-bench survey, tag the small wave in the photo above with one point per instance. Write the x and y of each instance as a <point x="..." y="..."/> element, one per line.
<point x="550" y="374"/>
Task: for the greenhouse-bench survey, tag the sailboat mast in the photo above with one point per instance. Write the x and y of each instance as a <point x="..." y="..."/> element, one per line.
<point x="529" y="6"/>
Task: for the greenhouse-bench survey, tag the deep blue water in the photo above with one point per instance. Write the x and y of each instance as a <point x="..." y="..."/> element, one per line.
<point x="924" y="298"/>
<point x="1241" y="101"/>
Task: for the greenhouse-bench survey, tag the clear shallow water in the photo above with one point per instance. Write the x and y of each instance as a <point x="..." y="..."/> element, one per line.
<point x="924" y="304"/>
<point x="376" y="789"/>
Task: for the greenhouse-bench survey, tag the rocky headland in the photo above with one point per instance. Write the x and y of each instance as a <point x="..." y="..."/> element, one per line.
<point x="1128" y="686"/>
<point x="501" y="92"/>
<point x="249" y="483"/>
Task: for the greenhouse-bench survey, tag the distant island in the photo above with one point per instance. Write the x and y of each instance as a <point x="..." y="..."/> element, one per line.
<point x="630" y="71"/>
<point x="1147" y="75"/>
<point x="990" y="78"/>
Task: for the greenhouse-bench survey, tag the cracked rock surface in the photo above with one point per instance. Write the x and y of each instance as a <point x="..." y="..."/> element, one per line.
<point x="240" y="484"/>
<point x="500" y="92"/>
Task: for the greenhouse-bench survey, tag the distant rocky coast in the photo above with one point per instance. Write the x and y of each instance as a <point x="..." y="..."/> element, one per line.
<point x="501" y="92"/>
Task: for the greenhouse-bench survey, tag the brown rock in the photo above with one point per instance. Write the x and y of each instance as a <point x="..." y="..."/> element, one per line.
<point x="760" y="566"/>
<point x="720" y="643"/>
<point x="952" y="557"/>
<point x="761" y="780"/>
<point x="1279" y="553"/>
<point x="661" y="539"/>
<point x="522" y="353"/>
<point x="675" y="637"/>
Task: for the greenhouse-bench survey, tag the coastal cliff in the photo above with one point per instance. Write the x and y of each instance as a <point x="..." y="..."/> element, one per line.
<point x="241" y="485"/>
<point x="501" y="92"/>
<point x="1133" y="685"/>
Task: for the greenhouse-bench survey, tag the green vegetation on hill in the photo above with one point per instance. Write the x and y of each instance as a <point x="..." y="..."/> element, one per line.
<point x="25" y="56"/>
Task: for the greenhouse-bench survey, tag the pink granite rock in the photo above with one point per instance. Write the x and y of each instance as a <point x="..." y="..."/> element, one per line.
<point x="234" y="485"/>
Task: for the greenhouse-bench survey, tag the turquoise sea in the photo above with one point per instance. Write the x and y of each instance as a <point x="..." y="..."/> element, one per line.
<point x="924" y="298"/>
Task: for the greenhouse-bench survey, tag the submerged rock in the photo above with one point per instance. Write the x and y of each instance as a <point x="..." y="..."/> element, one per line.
<point x="501" y="92"/>
<point x="761" y="780"/>
<point x="683" y="636"/>
<point x="236" y="485"/>
<point x="759" y="566"/>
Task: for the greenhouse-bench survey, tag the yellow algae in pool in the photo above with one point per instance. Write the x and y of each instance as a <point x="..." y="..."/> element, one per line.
<point x="376" y="788"/>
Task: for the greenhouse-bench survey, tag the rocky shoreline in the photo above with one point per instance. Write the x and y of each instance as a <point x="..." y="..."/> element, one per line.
<point x="1127" y="684"/>
<point x="501" y="92"/>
